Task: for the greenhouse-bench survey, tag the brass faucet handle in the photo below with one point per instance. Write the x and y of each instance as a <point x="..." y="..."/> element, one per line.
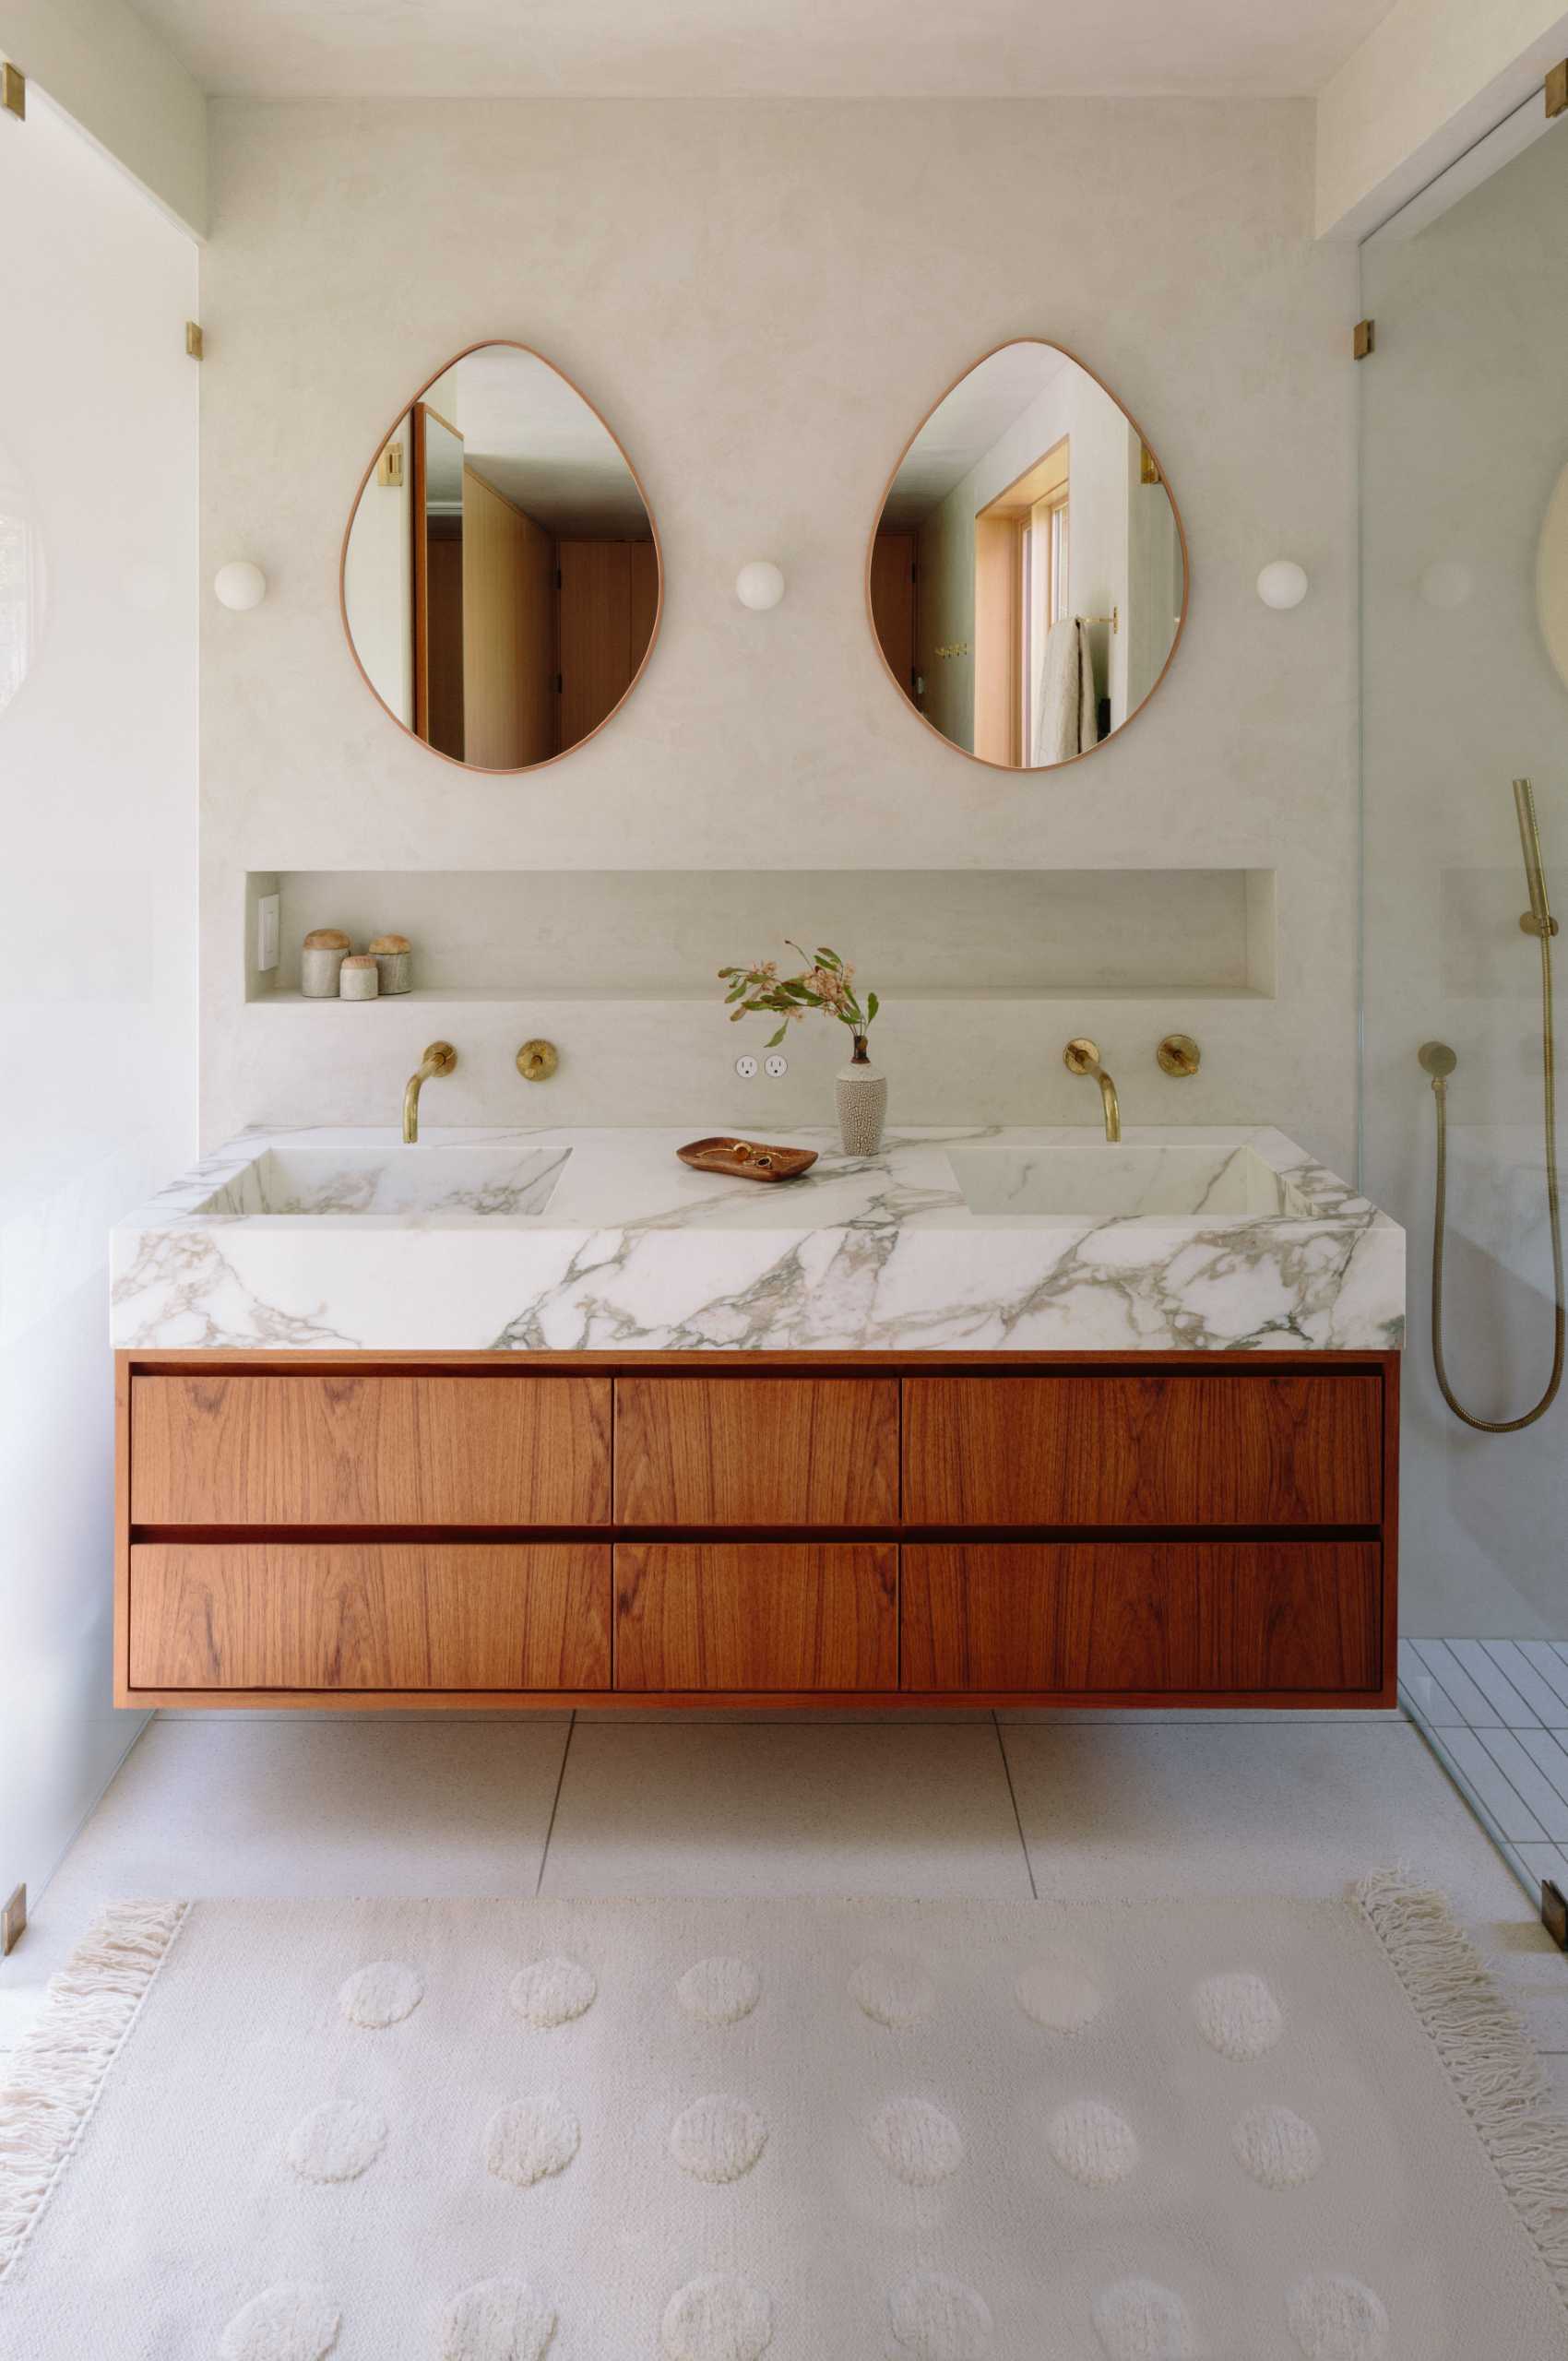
<point x="440" y="1057"/>
<point x="1179" y="1054"/>
<point x="537" y="1060"/>
<point x="1081" y="1055"/>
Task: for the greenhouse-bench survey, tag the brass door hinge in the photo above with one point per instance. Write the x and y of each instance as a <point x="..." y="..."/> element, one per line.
<point x="13" y="1921"/>
<point x="389" y="466"/>
<point x="14" y="91"/>
<point x="193" y="339"/>
<point x="1363" y="339"/>
<point x="1557" y="89"/>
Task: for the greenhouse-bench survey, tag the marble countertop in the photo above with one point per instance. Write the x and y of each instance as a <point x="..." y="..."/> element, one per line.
<point x="601" y="1240"/>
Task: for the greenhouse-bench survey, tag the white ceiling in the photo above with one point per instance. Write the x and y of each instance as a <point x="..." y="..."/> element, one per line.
<point x="530" y="436"/>
<point x="764" y="48"/>
<point x="965" y="424"/>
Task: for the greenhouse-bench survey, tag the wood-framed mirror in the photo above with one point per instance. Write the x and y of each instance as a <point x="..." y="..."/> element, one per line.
<point x="1027" y="576"/>
<point x="501" y="582"/>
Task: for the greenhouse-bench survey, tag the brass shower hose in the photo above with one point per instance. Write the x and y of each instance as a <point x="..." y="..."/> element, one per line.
<point x="1439" y="1061"/>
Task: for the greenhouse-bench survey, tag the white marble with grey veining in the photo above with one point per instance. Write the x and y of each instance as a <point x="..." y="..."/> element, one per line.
<point x="562" y="1240"/>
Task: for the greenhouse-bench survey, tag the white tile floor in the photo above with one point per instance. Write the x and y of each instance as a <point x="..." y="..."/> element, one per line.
<point x="1049" y="1805"/>
<point x="1496" y="1712"/>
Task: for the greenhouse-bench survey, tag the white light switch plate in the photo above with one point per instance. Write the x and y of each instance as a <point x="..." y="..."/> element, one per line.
<point x="268" y="919"/>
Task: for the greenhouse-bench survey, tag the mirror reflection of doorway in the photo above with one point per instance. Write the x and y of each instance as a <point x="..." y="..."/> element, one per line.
<point x="501" y="582"/>
<point x="523" y="640"/>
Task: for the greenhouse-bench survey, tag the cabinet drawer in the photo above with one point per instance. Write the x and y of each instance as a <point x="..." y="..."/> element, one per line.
<point x="342" y="1448"/>
<point x="1142" y="1617"/>
<point x="747" y="1450"/>
<point x="1156" y="1450"/>
<point x="369" y="1615"/>
<point x="756" y="1614"/>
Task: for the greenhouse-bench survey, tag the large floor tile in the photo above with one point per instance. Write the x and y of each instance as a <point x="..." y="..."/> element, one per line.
<point x="292" y="1809"/>
<point x="1216" y="1811"/>
<point x="709" y="1809"/>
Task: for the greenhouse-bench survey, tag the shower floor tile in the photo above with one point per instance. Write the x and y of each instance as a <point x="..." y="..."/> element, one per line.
<point x="1495" y="1713"/>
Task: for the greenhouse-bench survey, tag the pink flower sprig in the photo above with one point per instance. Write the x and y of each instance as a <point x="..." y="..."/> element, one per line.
<point x="825" y="982"/>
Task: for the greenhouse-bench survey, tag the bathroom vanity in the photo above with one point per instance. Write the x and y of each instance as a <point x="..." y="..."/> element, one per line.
<point x="537" y="1418"/>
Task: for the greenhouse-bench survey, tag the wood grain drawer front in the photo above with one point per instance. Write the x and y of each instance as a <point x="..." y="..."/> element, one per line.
<point x="342" y="1448"/>
<point x="1134" y="1449"/>
<point x="369" y="1615"/>
<point x="756" y="1614"/>
<point x="745" y="1451"/>
<point x="1142" y="1617"/>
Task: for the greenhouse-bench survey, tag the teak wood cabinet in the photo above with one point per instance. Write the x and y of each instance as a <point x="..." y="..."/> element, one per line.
<point x="361" y="1530"/>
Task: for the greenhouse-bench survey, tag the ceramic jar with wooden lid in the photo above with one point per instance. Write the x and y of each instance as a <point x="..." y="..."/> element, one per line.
<point x="358" y="978"/>
<point x="394" y="962"/>
<point x="321" y="958"/>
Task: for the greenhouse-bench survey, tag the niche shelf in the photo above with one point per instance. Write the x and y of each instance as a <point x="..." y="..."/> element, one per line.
<point x="483" y="937"/>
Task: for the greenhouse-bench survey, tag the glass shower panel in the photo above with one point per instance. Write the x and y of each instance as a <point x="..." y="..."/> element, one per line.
<point x="1465" y="436"/>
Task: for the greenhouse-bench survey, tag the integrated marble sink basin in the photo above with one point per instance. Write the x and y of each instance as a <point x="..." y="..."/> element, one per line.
<point x="982" y="1239"/>
<point x="1105" y="1183"/>
<point x="441" y="1185"/>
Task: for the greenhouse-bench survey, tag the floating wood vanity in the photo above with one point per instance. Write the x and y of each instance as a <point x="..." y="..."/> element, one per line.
<point x="361" y="1529"/>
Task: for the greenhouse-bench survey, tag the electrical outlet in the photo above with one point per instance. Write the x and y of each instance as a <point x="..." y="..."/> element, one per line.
<point x="268" y="921"/>
<point x="746" y="1069"/>
<point x="777" y="1067"/>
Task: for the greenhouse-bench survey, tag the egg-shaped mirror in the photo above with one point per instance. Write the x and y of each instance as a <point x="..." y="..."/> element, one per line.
<point x="501" y="582"/>
<point x="1027" y="575"/>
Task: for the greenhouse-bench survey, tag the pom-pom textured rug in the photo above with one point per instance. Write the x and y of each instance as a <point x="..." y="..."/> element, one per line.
<point x="814" y="2131"/>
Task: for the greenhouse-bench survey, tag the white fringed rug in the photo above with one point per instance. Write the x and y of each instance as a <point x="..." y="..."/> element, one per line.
<point x="817" y="2131"/>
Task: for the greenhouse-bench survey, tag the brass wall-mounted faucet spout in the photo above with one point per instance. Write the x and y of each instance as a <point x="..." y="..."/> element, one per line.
<point x="439" y="1058"/>
<point x="1082" y="1056"/>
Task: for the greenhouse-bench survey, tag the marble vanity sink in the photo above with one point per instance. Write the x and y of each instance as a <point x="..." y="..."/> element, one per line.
<point x="568" y="1240"/>
<point x="442" y="1184"/>
<point x="1121" y="1182"/>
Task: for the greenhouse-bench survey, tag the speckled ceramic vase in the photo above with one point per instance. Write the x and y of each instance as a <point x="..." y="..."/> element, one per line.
<point x="861" y="1092"/>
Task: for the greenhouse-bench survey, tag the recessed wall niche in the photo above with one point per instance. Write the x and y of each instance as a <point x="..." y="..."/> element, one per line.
<point x="661" y="934"/>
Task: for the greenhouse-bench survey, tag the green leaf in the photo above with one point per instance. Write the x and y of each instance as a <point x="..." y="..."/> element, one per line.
<point x="778" y="1036"/>
<point x="828" y="958"/>
<point x="873" y="1004"/>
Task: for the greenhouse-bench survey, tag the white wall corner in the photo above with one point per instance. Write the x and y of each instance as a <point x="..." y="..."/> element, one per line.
<point x="1435" y="77"/>
<point x="98" y="62"/>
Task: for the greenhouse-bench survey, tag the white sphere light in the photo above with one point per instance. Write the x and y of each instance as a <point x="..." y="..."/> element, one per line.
<point x="1447" y="584"/>
<point x="1282" y="583"/>
<point x="759" y="586"/>
<point x="239" y="586"/>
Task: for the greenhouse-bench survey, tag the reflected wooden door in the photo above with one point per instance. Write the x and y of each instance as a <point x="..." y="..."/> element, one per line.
<point x="608" y="595"/>
<point x="893" y="604"/>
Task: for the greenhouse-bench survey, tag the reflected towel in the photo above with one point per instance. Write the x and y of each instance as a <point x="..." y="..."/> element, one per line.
<point x="1066" y="702"/>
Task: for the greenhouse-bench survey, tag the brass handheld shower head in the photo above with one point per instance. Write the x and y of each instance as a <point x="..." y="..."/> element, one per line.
<point x="1437" y="1060"/>
<point x="1538" y="918"/>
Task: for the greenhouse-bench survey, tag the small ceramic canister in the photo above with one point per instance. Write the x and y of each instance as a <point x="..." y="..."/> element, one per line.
<point x="320" y="959"/>
<point x="358" y="978"/>
<point x="394" y="962"/>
